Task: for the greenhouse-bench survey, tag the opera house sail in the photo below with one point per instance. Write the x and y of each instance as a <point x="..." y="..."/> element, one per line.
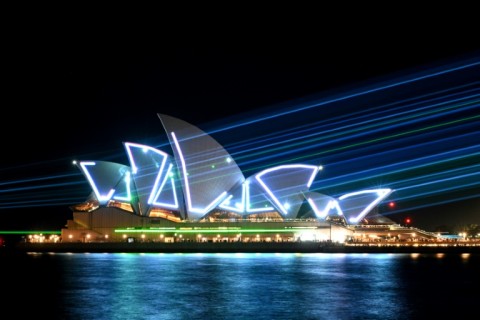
<point x="196" y="192"/>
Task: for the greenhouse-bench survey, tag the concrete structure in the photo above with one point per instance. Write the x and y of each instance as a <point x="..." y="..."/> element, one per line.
<point x="200" y="194"/>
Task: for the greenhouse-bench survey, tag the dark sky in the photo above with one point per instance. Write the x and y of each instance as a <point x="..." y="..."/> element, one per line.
<point x="80" y="97"/>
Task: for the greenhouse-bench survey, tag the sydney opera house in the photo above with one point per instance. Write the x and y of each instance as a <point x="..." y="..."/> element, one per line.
<point x="197" y="192"/>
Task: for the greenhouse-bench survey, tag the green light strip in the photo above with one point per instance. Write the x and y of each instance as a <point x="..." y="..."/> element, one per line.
<point x="200" y="231"/>
<point x="29" y="232"/>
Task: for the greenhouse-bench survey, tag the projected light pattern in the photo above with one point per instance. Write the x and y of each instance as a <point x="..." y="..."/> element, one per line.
<point x="148" y="166"/>
<point x="286" y="182"/>
<point x="103" y="177"/>
<point x="325" y="141"/>
<point x="166" y="195"/>
<point x="282" y="186"/>
<point x="236" y="201"/>
<point x="373" y="113"/>
<point x="357" y="200"/>
<point x="247" y="199"/>
<point x="108" y="179"/>
<point x="126" y="194"/>
<point x="195" y="212"/>
<point x="411" y="144"/>
<point x="279" y="188"/>
<point x="338" y="131"/>
<point x="207" y="170"/>
<point x="417" y="134"/>
<point x="256" y="199"/>
<point x="323" y="205"/>
<point x="359" y="204"/>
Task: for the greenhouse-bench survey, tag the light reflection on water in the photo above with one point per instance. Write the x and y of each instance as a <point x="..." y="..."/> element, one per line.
<point x="264" y="286"/>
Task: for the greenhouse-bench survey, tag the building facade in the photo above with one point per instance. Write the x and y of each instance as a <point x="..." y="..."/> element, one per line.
<point x="197" y="192"/>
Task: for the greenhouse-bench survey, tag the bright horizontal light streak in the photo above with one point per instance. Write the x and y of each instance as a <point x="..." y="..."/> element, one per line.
<point x="366" y="143"/>
<point x="50" y="185"/>
<point x="396" y="135"/>
<point x="320" y="128"/>
<point x="50" y="204"/>
<point x="214" y="231"/>
<point x="61" y="176"/>
<point x="49" y="201"/>
<point x="405" y="166"/>
<point x="371" y="125"/>
<point x="360" y="92"/>
<point x="432" y="204"/>
<point x="457" y="177"/>
<point x="30" y="232"/>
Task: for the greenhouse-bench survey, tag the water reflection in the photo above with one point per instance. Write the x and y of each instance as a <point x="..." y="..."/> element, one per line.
<point x="243" y="286"/>
<point x="233" y="286"/>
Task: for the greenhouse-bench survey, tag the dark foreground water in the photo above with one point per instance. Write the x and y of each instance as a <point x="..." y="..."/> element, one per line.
<point x="240" y="286"/>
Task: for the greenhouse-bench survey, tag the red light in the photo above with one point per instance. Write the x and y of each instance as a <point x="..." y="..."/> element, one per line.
<point x="391" y="204"/>
<point x="408" y="220"/>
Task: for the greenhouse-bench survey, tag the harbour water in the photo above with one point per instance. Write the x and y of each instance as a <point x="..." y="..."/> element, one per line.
<point x="240" y="285"/>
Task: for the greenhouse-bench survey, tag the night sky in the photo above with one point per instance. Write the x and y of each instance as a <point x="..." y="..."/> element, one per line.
<point x="78" y="99"/>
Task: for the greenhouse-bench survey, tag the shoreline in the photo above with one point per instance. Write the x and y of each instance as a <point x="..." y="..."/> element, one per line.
<point x="235" y="247"/>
